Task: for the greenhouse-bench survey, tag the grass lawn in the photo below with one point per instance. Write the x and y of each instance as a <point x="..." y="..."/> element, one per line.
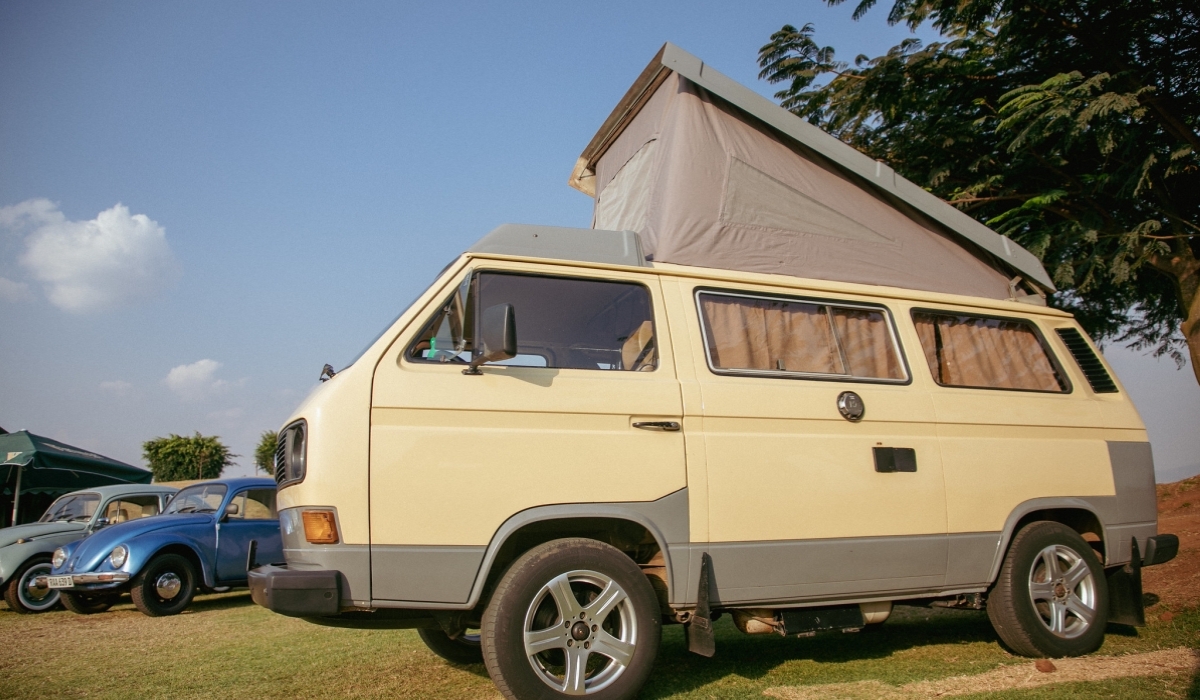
<point x="225" y="646"/>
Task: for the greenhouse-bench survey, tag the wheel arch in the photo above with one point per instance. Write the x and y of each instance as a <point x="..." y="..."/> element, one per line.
<point x="187" y="551"/>
<point x="622" y="526"/>
<point x="1075" y="513"/>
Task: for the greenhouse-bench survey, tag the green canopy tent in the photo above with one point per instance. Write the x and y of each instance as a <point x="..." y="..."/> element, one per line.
<point x="36" y="470"/>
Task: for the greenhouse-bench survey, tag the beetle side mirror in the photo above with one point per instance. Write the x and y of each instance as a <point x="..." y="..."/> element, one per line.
<point x="100" y="522"/>
<point x="231" y="509"/>
<point x="498" y="336"/>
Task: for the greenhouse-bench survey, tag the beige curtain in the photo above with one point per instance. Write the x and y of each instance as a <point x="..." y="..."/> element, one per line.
<point x="985" y="352"/>
<point x="867" y="343"/>
<point x="764" y="334"/>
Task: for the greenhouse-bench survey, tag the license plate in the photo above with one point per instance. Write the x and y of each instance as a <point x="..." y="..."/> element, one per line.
<point x="59" y="581"/>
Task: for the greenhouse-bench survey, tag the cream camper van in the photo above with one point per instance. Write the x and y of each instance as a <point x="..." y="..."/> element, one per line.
<point x="797" y="415"/>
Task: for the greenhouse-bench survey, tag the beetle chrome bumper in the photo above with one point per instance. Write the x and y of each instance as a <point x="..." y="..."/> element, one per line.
<point x="114" y="577"/>
<point x="297" y="593"/>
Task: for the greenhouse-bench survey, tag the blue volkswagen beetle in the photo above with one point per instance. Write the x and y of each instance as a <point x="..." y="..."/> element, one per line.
<point x="200" y="542"/>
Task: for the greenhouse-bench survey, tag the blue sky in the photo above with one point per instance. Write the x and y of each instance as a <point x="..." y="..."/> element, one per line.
<point x="290" y="175"/>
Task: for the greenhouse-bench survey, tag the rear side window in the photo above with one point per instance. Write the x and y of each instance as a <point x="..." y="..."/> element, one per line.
<point x="797" y="338"/>
<point x="987" y="353"/>
<point x="562" y="322"/>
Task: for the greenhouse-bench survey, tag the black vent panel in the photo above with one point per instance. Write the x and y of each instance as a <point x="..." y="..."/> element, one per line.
<point x="1092" y="368"/>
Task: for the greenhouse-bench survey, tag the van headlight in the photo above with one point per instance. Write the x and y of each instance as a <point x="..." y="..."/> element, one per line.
<point x="291" y="454"/>
<point x="119" y="554"/>
<point x="59" y="558"/>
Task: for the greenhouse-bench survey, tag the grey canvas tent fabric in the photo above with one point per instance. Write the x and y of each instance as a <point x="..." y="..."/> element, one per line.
<point x="706" y="183"/>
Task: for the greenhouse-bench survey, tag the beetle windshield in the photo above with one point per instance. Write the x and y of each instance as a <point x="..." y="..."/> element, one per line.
<point x="201" y="498"/>
<point x="74" y="507"/>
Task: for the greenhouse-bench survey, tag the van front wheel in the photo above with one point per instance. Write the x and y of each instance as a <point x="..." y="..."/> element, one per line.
<point x="1051" y="598"/>
<point x="571" y="617"/>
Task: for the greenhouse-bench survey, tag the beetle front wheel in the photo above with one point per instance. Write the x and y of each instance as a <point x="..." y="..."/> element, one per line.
<point x="23" y="595"/>
<point x="165" y="586"/>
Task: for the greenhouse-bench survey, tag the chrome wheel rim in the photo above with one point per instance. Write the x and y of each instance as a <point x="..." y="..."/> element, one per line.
<point x="1063" y="591"/>
<point x="167" y="586"/>
<point x="580" y="632"/>
<point x="32" y="597"/>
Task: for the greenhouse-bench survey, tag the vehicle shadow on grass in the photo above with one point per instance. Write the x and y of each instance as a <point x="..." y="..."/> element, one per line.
<point x="220" y="601"/>
<point x="752" y="657"/>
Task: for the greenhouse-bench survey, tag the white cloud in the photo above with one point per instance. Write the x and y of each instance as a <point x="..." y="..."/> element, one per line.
<point x="117" y="386"/>
<point x="84" y="266"/>
<point x="13" y="291"/>
<point x="196" y="381"/>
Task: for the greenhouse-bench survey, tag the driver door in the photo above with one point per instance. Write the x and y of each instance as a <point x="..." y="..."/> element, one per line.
<point x="255" y="519"/>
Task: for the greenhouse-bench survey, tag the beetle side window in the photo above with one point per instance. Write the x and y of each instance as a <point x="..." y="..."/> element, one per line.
<point x="983" y="352"/>
<point x="798" y="338"/>
<point x="562" y="322"/>
<point x="255" y="504"/>
<point x="131" y="508"/>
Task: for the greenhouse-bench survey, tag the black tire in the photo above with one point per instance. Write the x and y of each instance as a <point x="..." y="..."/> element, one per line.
<point x="24" y="599"/>
<point x="1070" y="594"/>
<point x="464" y="649"/>
<point x="84" y="604"/>
<point x="627" y="626"/>
<point x="164" y="570"/>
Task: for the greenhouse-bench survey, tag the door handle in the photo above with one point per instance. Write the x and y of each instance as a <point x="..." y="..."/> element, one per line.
<point x="664" y="425"/>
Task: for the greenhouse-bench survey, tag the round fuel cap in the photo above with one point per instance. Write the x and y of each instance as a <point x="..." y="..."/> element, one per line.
<point x="851" y="406"/>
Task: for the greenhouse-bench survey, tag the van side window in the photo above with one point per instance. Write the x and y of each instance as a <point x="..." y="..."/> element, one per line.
<point x="788" y="337"/>
<point x="987" y="353"/>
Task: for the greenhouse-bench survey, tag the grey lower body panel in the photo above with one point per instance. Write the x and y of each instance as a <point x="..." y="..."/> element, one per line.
<point x="428" y="574"/>
<point x="799" y="570"/>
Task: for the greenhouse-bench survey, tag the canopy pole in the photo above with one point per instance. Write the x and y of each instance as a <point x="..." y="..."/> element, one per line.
<point x="16" y="496"/>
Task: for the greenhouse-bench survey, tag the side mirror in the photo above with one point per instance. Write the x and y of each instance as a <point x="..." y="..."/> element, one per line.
<point x="100" y="522"/>
<point x="498" y="336"/>
<point x="231" y="509"/>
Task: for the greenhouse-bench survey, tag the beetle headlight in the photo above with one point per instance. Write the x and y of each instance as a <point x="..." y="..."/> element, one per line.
<point x="119" y="554"/>
<point x="59" y="558"/>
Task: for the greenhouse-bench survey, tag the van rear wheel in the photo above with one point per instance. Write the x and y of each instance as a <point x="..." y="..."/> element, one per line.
<point x="571" y="617"/>
<point x="1051" y="598"/>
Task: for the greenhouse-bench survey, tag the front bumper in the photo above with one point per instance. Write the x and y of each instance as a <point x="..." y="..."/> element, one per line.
<point x="296" y="593"/>
<point x="86" y="583"/>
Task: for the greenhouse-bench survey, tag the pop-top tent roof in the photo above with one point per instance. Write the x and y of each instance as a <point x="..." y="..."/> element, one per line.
<point x="49" y="466"/>
<point x="712" y="174"/>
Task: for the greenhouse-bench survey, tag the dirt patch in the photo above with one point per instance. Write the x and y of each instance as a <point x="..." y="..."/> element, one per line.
<point x="1090" y="668"/>
<point x="1177" y="583"/>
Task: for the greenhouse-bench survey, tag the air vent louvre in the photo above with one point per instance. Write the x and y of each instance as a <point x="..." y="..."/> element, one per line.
<point x="1092" y="368"/>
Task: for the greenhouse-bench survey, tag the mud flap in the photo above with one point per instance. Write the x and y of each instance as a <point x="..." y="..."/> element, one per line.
<point x="1125" y="606"/>
<point x="699" y="628"/>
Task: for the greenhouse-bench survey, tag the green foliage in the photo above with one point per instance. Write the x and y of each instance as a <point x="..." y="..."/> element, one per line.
<point x="1072" y="126"/>
<point x="264" y="454"/>
<point x="179" y="458"/>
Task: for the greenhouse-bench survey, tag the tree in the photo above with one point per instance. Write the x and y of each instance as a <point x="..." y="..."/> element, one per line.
<point x="1073" y="126"/>
<point x="264" y="454"/>
<point x="179" y="458"/>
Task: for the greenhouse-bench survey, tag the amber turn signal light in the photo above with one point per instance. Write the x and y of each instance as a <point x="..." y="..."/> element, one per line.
<point x="320" y="527"/>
